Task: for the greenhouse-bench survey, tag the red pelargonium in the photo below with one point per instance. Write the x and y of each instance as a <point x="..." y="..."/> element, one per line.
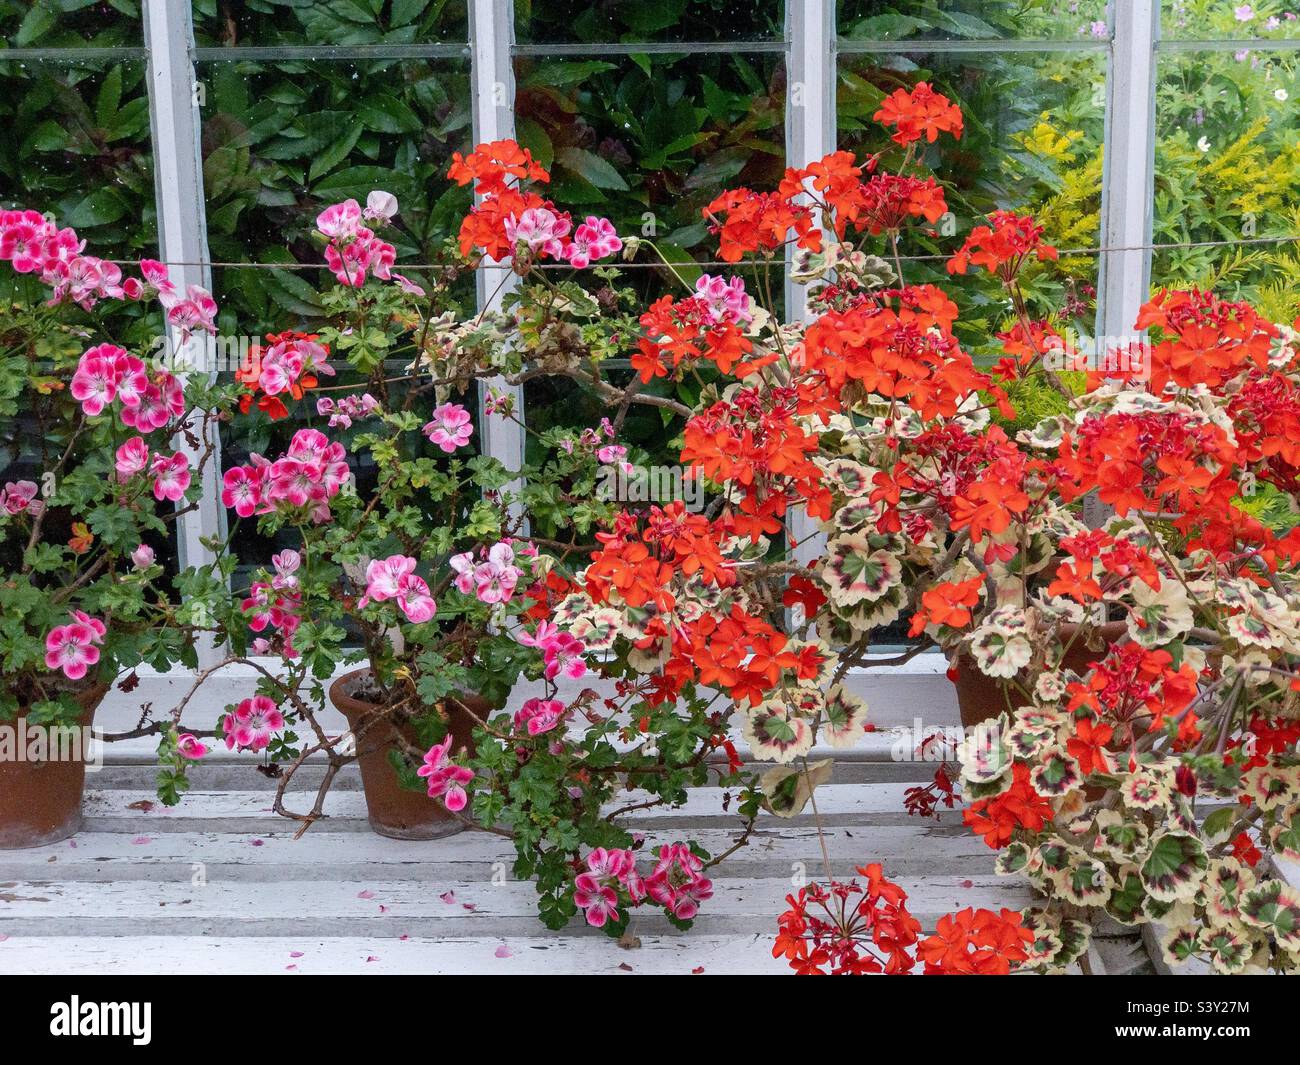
<point x="852" y="929"/>
<point x="1002" y="247"/>
<point x="920" y="113"/>
<point x="746" y="221"/>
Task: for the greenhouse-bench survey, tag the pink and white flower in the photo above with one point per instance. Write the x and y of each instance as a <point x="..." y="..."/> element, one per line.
<point x="171" y="477"/>
<point x="541" y="229"/>
<point x="537" y="716"/>
<point x="594" y="239"/>
<point x="189" y="746"/>
<point x="723" y="300"/>
<point x="17" y="496"/>
<point x="395" y="578"/>
<point x="446" y="779"/>
<point x="142" y="557"/>
<point x="74" y="648"/>
<point x="131" y="458"/>
<point x="381" y="207"/>
<point x="563" y="655"/>
<point x="451" y="427"/>
<point x="252" y="724"/>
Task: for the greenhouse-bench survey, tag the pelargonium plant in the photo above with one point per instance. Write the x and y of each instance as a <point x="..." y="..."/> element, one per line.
<point x="104" y="441"/>
<point x="699" y="629"/>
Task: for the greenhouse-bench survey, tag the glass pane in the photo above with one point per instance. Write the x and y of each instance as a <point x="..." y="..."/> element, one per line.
<point x="74" y="142"/>
<point x="648" y="141"/>
<point x="1228" y="168"/>
<point x="70" y="23"/>
<point x="1233" y="20"/>
<point x="901" y="20"/>
<point x="648" y="20"/>
<point x="283" y="140"/>
<point x="262" y="23"/>
<point x="1032" y="143"/>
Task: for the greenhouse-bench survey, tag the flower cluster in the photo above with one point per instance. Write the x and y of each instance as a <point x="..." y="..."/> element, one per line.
<point x="291" y="365"/>
<point x="306" y="477"/>
<point x="395" y="578"/>
<point x="352" y="248"/>
<point x="447" y="780"/>
<point x="610" y="879"/>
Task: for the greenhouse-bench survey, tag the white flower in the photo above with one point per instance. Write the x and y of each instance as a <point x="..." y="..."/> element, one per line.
<point x="380" y="206"/>
<point x="1203" y="144"/>
<point x="1280" y="95"/>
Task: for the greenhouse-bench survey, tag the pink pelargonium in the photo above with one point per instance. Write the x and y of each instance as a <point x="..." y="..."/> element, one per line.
<point x="446" y="779"/>
<point x="723" y="300"/>
<point x="142" y="557"/>
<point x="198" y="310"/>
<point x="74" y="647"/>
<point x="252" y="724"/>
<point x="171" y="477"/>
<point x="395" y="578"/>
<point x="563" y="655"/>
<point x="311" y="473"/>
<point x="340" y="221"/>
<point x="537" y="716"/>
<point x="541" y="229"/>
<point x="131" y="458"/>
<point x="381" y="207"/>
<point x="18" y="496"/>
<point x="596" y="891"/>
<point x="451" y="427"/>
<point x="190" y="746"/>
<point x="594" y="239"/>
<point x="284" y="363"/>
<point x="678" y="882"/>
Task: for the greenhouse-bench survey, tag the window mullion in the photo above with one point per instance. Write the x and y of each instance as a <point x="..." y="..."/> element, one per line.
<point x="1129" y="175"/>
<point x="491" y="28"/>
<point x="810" y="134"/>
<point x="182" y="242"/>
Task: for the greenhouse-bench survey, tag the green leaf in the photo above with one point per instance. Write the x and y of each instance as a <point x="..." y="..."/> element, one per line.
<point x="591" y="167"/>
<point x="110" y="97"/>
<point x="99" y="208"/>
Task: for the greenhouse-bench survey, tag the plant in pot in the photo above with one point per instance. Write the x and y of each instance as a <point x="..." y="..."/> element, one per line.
<point x="102" y="446"/>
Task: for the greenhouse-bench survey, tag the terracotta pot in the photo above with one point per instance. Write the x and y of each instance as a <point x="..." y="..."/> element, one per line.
<point x="980" y="697"/>
<point x="40" y="801"/>
<point x="395" y="811"/>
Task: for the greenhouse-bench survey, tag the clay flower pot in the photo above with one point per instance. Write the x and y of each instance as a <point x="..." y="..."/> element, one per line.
<point x="395" y="811"/>
<point x="980" y="698"/>
<point x="40" y="798"/>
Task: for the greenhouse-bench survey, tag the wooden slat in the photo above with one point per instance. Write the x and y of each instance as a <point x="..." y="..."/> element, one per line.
<point x="325" y="908"/>
<point x="452" y="955"/>
<point x="774" y="851"/>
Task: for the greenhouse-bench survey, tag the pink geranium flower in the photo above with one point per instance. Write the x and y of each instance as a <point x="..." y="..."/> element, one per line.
<point x="131" y="458"/>
<point x="241" y="489"/>
<point x="17" y="496"/>
<point x="451" y="427"/>
<point x="171" y="477"/>
<point x="563" y="654"/>
<point x="74" y="648"/>
<point x="446" y="779"/>
<point x="541" y="229"/>
<point x="539" y="715"/>
<point x="142" y="557"/>
<point x="189" y="746"/>
<point x="595" y="239"/>
<point x="252" y="724"/>
<point x="723" y="300"/>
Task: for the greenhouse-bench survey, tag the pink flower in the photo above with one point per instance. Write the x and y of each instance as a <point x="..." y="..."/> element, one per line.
<point x="450" y="427"/>
<point x="381" y="207"/>
<point x="94" y="384"/>
<point x="463" y="564"/>
<point x="132" y="457"/>
<point x="142" y="557"/>
<point x="677" y="882"/>
<point x="285" y="362"/>
<point x="74" y="648"/>
<point x="539" y="715"/>
<point x="596" y="891"/>
<point x="446" y="779"/>
<point x="541" y="229"/>
<point x="722" y="300"/>
<point x="563" y="654"/>
<point x="171" y="477"/>
<point x="252" y="723"/>
<point x="286" y="565"/>
<point x="17" y="496"/>
<point x="189" y="746"/>
<point x="494" y="583"/>
<point x="340" y="221"/>
<point x="394" y="578"/>
<point x="598" y="901"/>
<point x="198" y="310"/>
<point x="545" y="632"/>
<point x="155" y="276"/>
<point x="595" y="239"/>
<point x="241" y="488"/>
<point x="407" y="285"/>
